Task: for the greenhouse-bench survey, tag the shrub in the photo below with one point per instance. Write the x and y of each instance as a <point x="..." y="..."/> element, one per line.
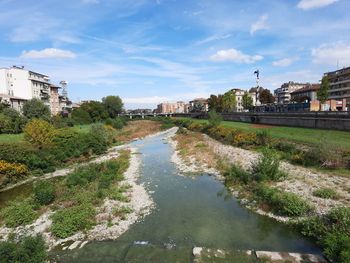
<point x="214" y="118"/>
<point x="241" y="139"/>
<point x="11" y="172"/>
<point x="263" y="138"/>
<point x="44" y="192"/>
<point x="237" y="173"/>
<point x="27" y="250"/>
<point x="18" y="213"/>
<point x="282" y="203"/>
<point x="332" y="231"/>
<point x="285" y="147"/>
<point x="68" y="221"/>
<point x="117" y="123"/>
<point x="39" y="132"/>
<point x="267" y="167"/>
<point x="327" y="193"/>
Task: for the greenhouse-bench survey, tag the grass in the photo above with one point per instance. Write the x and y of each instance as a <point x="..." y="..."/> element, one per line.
<point x="12" y="138"/>
<point x="301" y="135"/>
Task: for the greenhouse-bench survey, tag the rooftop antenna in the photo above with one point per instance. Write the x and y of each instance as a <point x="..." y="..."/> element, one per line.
<point x="64" y="84"/>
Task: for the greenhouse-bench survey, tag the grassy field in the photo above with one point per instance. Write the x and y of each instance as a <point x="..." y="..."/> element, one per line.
<point x="339" y="139"/>
<point x="12" y="138"/>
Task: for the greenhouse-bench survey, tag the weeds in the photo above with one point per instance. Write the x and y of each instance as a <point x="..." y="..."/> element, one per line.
<point x="326" y="193"/>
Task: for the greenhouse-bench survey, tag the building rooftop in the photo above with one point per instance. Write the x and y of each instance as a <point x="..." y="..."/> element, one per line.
<point x="309" y="87"/>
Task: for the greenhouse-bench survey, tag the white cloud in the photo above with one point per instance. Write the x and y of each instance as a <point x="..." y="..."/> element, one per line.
<point x="235" y="56"/>
<point x="332" y="54"/>
<point x="312" y="4"/>
<point x="259" y="25"/>
<point x="48" y="53"/>
<point x="285" y="62"/>
<point x="213" y="38"/>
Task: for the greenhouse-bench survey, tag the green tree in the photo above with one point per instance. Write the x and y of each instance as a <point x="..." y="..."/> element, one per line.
<point x="113" y="105"/>
<point x="35" y="108"/>
<point x="95" y="109"/>
<point x="215" y="103"/>
<point x="265" y="96"/>
<point x="322" y="93"/>
<point x="229" y="101"/>
<point x="247" y="101"/>
<point x="39" y="132"/>
<point x="81" y="116"/>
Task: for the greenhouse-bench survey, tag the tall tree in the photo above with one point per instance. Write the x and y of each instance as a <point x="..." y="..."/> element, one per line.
<point x="265" y="96"/>
<point x="229" y="101"/>
<point x="113" y="105"/>
<point x="213" y="102"/>
<point x="322" y="93"/>
<point x="35" y="108"/>
<point x="247" y="101"/>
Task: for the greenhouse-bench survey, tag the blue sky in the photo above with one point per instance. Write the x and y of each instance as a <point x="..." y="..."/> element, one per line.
<point x="149" y="51"/>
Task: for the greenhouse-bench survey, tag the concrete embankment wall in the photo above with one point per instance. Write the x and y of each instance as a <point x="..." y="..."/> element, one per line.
<point x="319" y="120"/>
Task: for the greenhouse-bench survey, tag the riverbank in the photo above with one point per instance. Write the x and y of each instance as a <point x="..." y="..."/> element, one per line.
<point x="109" y="225"/>
<point x="194" y="151"/>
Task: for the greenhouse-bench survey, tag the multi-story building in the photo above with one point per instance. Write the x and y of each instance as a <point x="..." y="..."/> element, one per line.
<point x="306" y="93"/>
<point x="199" y="104"/>
<point x="18" y="85"/>
<point x="239" y="99"/>
<point x="254" y="94"/>
<point x="339" y="85"/>
<point x="172" y="107"/>
<point x="283" y="94"/>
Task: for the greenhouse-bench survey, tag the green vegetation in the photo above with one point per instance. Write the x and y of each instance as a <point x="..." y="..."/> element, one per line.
<point x="44" y="192"/>
<point x="68" y="221"/>
<point x="332" y="232"/>
<point x="18" y="213"/>
<point x="36" y="109"/>
<point x="48" y="148"/>
<point x="27" y="250"/>
<point x="327" y="193"/>
<point x="307" y="136"/>
<point x="282" y="203"/>
<point x="83" y="190"/>
<point x="214" y="118"/>
<point x="267" y="167"/>
<point x="323" y="149"/>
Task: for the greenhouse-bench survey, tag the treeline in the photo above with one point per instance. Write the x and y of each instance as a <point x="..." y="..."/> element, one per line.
<point x="228" y="101"/>
<point x="13" y="122"/>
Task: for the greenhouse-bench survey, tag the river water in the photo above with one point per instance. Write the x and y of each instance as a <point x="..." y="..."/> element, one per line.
<point x="189" y="212"/>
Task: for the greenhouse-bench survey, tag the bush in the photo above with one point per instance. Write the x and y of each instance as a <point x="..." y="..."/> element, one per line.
<point x="11" y="121"/>
<point x="68" y="221"/>
<point x="18" y="213"/>
<point x="263" y="138"/>
<point x="326" y="193"/>
<point x="44" y="192"/>
<point x="39" y="132"/>
<point x="214" y="118"/>
<point x="11" y="172"/>
<point x="237" y="173"/>
<point x="267" y="167"/>
<point x="117" y="123"/>
<point x="282" y="203"/>
<point x="27" y="250"/>
<point x="332" y="231"/>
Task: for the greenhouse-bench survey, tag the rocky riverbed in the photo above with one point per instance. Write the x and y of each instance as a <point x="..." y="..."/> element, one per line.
<point x="301" y="181"/>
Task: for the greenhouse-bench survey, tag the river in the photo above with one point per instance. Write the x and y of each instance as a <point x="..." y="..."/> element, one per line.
<point x="189" y="212"/>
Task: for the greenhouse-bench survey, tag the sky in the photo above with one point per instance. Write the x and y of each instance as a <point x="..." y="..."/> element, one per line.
<point x="152" y="51"/>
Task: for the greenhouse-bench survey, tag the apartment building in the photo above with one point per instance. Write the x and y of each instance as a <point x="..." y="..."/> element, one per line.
<point x="173" y="107"/>
<point x="198" y="105"/>
<point x="306" y="93"/>
<point x="283" y="94"/>
<point x="239" y="99"/>
<point x="339" y="86"/>
<point x="18" y="85"/>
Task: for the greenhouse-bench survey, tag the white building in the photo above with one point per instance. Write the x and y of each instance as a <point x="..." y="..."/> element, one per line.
<point x="18" y="85"/>
<point x="283" y="94"/>
<point x="239" y="99"/>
